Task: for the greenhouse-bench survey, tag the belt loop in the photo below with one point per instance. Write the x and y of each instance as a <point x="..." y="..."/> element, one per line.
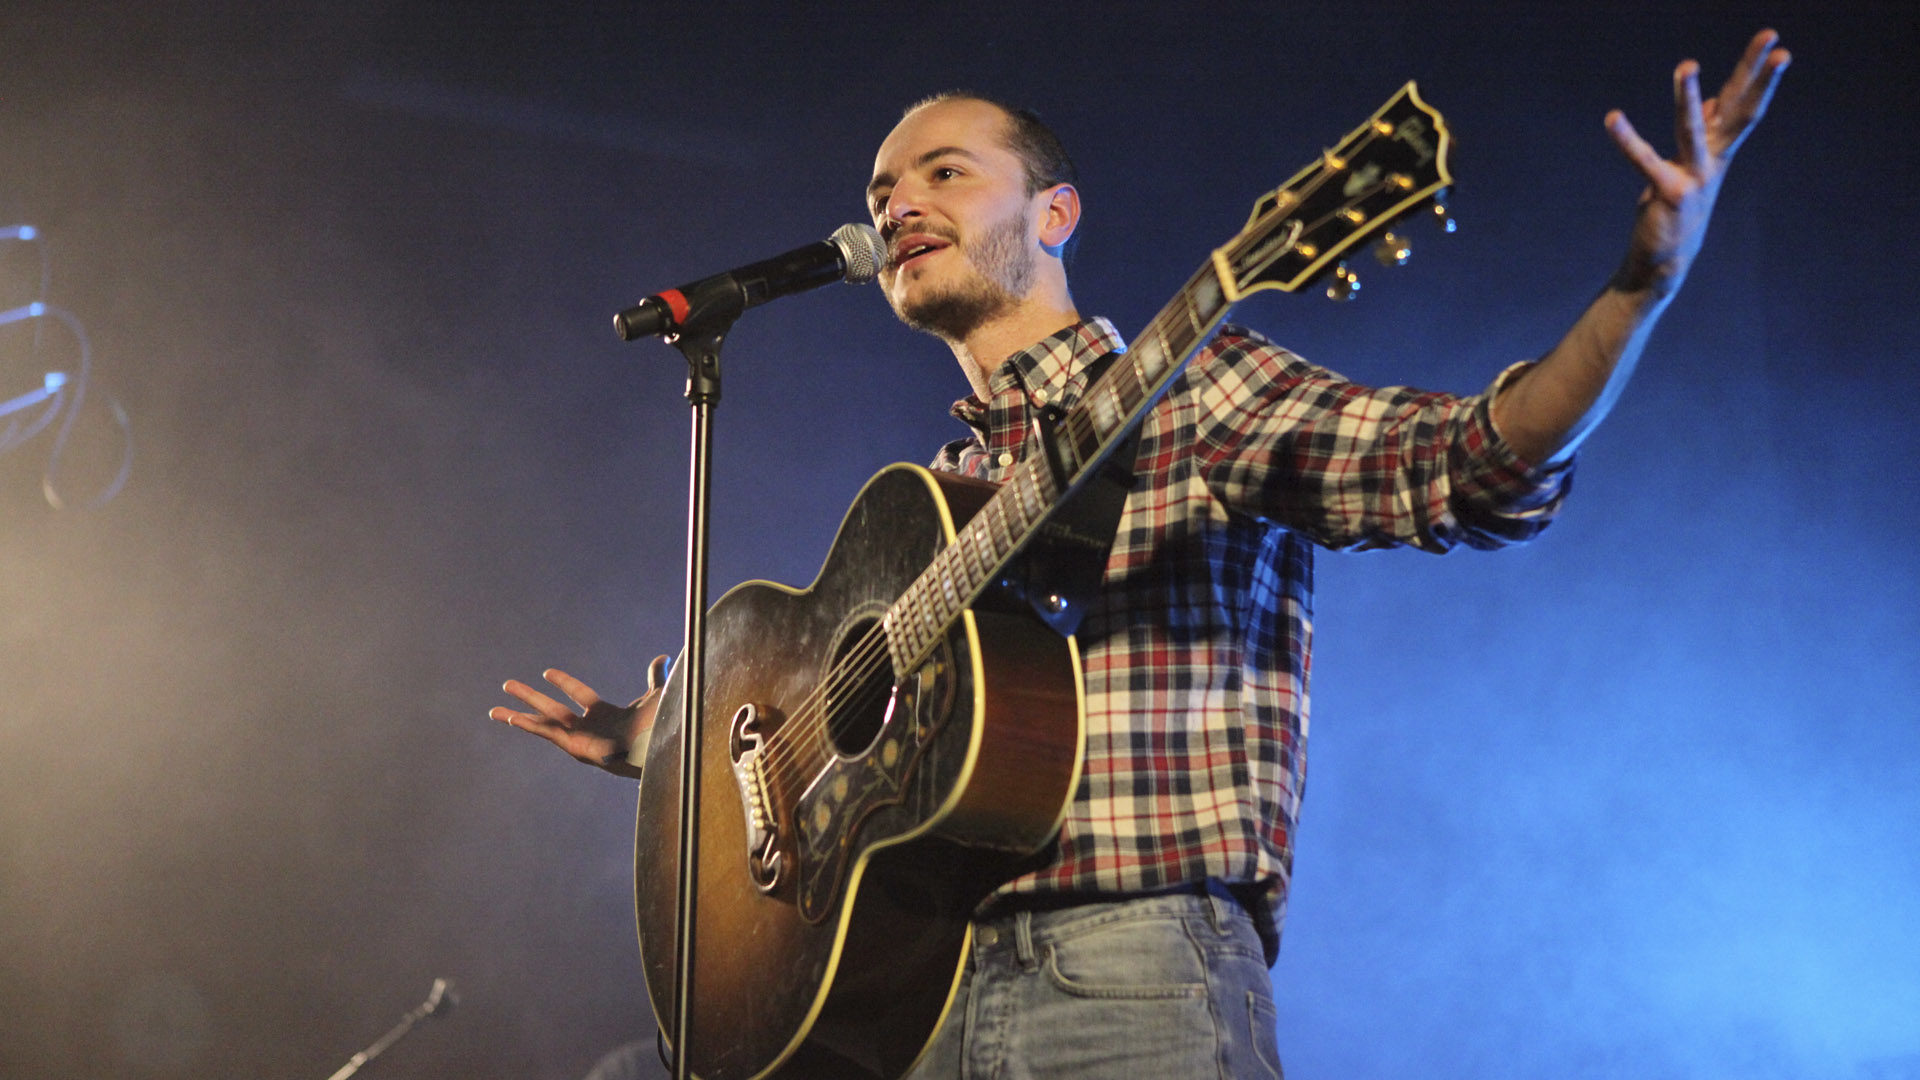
<point x="1217" y="899"/>
<point x="1023" y="940"/>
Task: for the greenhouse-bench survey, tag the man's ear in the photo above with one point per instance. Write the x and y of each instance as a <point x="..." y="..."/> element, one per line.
<point x="1059" y="217"/>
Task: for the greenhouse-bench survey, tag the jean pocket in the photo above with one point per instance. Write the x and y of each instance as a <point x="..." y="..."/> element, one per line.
<point x="1139" y="960"/>
<point x="1262" y="1017"/>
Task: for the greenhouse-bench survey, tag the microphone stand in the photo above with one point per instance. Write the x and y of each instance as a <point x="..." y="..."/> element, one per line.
<point x="440" y="1001"/>
<point x="700" y="344"/>
<point x="705" y="311"/>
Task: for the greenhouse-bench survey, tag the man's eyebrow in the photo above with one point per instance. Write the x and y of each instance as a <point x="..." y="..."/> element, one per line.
<point x="881" y="180"/>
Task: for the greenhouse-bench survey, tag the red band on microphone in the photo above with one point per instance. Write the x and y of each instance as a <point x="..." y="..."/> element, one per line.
<point x="677" y="304"/>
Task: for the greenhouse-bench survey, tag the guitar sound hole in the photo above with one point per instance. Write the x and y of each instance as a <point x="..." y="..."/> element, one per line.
<point x="859" y="685"/>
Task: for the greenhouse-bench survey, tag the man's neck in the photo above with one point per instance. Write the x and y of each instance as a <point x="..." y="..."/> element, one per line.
<point x="983" y="351"/>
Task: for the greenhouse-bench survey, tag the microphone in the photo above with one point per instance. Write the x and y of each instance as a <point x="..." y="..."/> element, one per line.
<point x="853" y="254"/>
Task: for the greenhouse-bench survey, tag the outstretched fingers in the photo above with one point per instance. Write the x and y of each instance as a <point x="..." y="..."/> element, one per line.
<point x="1746" y="73"/>
<point x="599" y="733"/>
<point x="580" y="693"/>
<point x="1744" y="99"/>
<point x="543" y="714"/>
<point x="1689" y="121"/>
<point x="1706" y="132"/>
<point x="547" y="716"/>
<point x="1667" y="180"/>
<point x="541" y="704"/>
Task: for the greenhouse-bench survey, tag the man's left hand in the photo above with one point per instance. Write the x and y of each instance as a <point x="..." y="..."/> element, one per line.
<point x="1679" y="197"/>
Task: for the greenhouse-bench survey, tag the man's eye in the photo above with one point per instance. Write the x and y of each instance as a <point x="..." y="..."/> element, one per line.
<point x="945" y="172"/>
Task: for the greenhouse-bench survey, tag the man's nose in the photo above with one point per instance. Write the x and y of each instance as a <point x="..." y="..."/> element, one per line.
<point x="903" y="203"/>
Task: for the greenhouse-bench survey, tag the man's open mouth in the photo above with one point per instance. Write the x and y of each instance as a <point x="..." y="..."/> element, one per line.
<point x="910" y="248"/>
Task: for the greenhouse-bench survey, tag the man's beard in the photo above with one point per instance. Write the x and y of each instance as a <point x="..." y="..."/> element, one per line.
<point x="1003" y="274"/>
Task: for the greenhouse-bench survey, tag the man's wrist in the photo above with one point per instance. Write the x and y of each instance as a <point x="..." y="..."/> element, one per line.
<point x="619" y="765"/>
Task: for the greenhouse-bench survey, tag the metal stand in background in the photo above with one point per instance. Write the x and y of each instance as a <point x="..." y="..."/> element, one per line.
<point x="440" y="1001"/>
<point x="700" y="344"/>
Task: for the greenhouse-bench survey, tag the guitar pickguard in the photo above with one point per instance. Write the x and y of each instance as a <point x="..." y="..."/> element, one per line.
<point x="838" y="812"/>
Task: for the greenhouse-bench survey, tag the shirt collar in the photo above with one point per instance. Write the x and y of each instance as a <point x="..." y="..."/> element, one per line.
<point x="1048" y="365"/>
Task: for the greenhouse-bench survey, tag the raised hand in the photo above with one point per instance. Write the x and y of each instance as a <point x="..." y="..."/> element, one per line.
<point x="600" y="733"/>
<point x="1680" y="193"/>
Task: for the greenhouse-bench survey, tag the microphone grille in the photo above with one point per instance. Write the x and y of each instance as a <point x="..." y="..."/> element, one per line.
<point x="865" y="252"/>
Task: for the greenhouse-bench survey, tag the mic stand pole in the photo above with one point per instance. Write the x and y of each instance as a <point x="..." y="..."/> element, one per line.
<point x="701" y="346"/>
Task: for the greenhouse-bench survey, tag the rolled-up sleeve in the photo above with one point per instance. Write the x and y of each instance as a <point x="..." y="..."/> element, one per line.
<point x="1347" y="465"/>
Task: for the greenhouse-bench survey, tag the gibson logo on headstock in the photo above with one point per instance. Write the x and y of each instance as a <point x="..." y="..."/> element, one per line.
<point x="1373" y="177"/>
<point x="1413" y="132"/>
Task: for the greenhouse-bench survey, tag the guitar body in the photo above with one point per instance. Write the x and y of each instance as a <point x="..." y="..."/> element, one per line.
<point x="850" y="819"/>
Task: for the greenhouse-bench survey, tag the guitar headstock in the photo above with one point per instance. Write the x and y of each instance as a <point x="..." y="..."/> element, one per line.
<point x="1382" y="171"/>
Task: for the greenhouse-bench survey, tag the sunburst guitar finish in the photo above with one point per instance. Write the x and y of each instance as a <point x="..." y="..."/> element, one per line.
<point x="851" y="817"/>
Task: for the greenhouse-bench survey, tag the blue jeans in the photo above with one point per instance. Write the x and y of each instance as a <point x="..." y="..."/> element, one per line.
<point x="1166" y="987"/>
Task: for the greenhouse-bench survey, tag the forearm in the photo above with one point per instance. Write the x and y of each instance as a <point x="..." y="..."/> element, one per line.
<point x="1544" y="414"/>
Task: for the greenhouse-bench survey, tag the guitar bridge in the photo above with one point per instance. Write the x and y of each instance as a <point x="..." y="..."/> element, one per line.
<point x="744" y="746"/>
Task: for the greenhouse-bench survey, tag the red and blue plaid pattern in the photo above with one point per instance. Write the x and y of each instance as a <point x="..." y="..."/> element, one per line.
<point x="1198" y="651"/>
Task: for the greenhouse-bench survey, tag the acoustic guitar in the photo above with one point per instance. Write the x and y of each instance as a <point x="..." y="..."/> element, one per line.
<point x="885" y="747"/>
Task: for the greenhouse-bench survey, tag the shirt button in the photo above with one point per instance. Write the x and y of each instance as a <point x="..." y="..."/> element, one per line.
<point x="1039" y="397"/>
<point x="989" y="936"/>
<point x="1005" y="459"/>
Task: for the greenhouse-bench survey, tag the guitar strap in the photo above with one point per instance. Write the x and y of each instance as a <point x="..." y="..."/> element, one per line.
<point x="1061" y="569"/>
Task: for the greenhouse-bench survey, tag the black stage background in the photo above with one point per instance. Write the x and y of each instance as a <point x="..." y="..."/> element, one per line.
<point x="1637" y="800"/>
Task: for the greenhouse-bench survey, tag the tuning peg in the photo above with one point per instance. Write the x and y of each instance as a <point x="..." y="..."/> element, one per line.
<point x="1345" y="283"/>
<point x="1441" y="215"/>
<point x="1393" y="250"/>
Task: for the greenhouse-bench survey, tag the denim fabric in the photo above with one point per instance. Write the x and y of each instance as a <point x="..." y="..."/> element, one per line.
<point x="1171" y="986"/>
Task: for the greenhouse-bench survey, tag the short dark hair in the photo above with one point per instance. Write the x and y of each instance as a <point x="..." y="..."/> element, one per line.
<point x="1040" y="151"/>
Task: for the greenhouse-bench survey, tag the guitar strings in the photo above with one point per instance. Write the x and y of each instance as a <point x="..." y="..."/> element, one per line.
<point x="815" y="714"/>
<point x="1080" y="424"/>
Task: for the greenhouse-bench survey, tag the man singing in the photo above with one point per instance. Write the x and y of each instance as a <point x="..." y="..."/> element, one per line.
<point x="1141" y="942"/>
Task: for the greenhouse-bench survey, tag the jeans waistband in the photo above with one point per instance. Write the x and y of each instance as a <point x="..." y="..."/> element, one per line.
<point x="1245" y="893"/>
<point x="1248" y="896"/>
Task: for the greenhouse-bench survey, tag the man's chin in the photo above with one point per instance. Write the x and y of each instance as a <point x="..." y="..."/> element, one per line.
<point x="950" y="316"/>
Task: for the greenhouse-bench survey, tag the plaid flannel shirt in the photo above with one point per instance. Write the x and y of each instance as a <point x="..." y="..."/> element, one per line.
<point x="1198" y="651"/>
